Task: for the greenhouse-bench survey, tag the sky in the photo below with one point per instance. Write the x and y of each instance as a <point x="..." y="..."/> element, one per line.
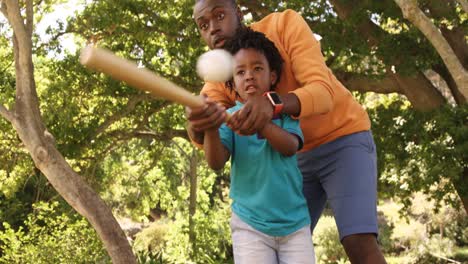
<point x="61" y="13"/>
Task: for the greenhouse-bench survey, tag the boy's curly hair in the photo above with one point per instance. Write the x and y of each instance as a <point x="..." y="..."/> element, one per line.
<point x="246" y="38"/>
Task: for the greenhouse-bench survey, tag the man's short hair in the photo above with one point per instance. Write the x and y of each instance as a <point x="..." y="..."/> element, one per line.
<point x="233" y="2"/>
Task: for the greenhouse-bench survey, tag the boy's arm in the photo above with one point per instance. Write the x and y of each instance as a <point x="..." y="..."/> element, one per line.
<point x="217" y="99"/>
<point x="280" y="139"/>
<point x="215" y="152"/>
<point x="209" y="116"/>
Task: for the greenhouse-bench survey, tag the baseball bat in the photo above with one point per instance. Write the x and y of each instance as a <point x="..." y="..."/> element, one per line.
<point x="124" y="70"/>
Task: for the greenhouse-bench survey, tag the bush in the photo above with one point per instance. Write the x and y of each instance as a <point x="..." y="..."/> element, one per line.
<point x="425" y="235"/>
<point x="49" y="236"/>
<point x="213" y="238"/>
<point x="435" y="250"/>
<point x="151" y="239"/>
<point x="328" y="248"/>
<point x="385" y="233"/>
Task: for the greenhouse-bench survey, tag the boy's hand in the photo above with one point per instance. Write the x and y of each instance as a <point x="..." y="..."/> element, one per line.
<point x="209" y="116"/>
<point x="252" y="117"/>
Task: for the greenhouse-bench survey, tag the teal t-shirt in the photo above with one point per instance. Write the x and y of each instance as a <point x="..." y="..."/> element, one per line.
<point x="266" y="186"/>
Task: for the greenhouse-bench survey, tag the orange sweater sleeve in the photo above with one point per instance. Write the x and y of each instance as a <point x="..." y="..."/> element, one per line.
<point x="316" y="91"/>
<point x="219" y="93"/>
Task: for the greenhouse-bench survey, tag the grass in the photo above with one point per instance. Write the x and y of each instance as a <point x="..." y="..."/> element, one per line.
<point x="396" y="259"/>
<point x="461" y="254"/>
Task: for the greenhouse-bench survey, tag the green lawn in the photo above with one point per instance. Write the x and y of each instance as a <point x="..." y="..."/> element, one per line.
<point x="461" y="254"/>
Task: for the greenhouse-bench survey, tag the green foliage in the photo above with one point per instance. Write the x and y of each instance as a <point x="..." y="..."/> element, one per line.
<point x="50" y="236"/>
<point x="213" y="243"/>
<point x="462" y="254"/>
<point x="152" y="238"/>
<point x="424" y="236"/>
<point x="432" y="251"/>
<point x="385" y="233"/>
<point x="328" y="248"/>
<point x="421" y="151"/>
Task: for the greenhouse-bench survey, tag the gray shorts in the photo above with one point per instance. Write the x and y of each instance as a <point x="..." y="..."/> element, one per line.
<point x="252" y="246"/>
<point x="344" y="173"/>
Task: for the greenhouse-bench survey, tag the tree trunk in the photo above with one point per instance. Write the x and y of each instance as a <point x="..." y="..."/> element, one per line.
<point x="420" y="91"/>
<point x="193" y="200"/>
<point x="464" y="5"/>
<point x="27" y="121"/>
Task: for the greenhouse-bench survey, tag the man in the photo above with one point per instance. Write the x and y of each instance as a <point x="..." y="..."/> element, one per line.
<point x="338" y="160"/>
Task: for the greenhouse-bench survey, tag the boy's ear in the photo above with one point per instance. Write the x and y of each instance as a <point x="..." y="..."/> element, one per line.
<point x="273" y="77"/>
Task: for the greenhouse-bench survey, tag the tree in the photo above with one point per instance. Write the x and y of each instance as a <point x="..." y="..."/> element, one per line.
<point x="26" y="119"/>
<point x="129" y="146"/>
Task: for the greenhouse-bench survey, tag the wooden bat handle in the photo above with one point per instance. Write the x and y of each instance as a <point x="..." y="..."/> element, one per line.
<point x="124" y="70"/>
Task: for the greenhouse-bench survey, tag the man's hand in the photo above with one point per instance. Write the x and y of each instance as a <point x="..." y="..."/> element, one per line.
<point x="252" y="117"/>
<point x="210" y="116"/>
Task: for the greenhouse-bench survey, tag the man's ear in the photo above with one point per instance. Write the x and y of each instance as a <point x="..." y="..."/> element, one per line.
<point x="239" y="14"/>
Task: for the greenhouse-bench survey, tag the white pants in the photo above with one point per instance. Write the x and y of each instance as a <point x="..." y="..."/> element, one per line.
<point x="252" y="246"/>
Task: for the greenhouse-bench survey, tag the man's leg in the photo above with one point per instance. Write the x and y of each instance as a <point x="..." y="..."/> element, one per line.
<point x="348" y="174"/>
<point x="363" y="248"/>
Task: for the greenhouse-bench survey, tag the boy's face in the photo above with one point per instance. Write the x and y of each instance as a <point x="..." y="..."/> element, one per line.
<point x="217" y="21"/>
<point x="252" y="75"/>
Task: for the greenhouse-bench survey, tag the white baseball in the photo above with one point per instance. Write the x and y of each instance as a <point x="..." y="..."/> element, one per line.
<point x="215" y="66"/>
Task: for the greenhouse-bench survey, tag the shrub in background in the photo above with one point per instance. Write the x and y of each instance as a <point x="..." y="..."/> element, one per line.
<point x="49" y="236"/>
<point x="328" y="248"/>
<point x="150" y="242"/>
<point x="423" y="234"/>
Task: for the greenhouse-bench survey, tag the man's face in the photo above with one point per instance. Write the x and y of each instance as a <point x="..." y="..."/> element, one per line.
<point x="217" y="21"/>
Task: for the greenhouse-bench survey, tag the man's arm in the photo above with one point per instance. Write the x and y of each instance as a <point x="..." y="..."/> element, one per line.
<point x="317" y="88"/>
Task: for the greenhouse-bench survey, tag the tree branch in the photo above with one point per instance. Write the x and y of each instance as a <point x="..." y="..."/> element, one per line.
<point x="464" y="5"/>
<point x="3" y="8"/>
<point x="131" y="104"/>
<point x="361" y="83"/>
<point x="149" y="134"/>
<point x="441" y="69"/>
<point x="454" y="34"/>
<point x="54" y="38"/>
<point x="419" y="91"/>
<point x="16" y="21"/>
<point x="413" y="13"/>
<point x="29" y="17"/>
<point x="8" y="115"/>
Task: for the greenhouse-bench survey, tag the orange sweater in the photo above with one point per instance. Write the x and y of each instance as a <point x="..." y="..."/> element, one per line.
<point x="328" y="109"/>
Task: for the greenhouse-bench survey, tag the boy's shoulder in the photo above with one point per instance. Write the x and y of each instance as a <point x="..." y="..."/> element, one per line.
<point x="236" y="107"/>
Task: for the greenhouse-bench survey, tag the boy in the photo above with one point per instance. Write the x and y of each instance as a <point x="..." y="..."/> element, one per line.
<point x="270" y="221"/>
